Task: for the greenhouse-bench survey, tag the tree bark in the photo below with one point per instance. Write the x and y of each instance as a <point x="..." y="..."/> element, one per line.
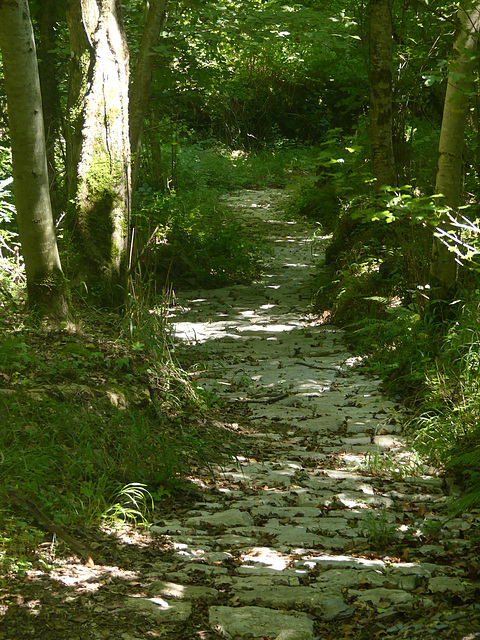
<point x="450" y="159"/>
<point x="46" y="285"/>
<point x="98" y="145"/>
<point x="142" y="79"/>
<point x="380" y="71"/>
<point x="46" y="17"/>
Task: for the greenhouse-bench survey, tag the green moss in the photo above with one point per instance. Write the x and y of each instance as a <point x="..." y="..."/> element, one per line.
<point x="96" y="214"/>
<point x="51" y="281"/>
<point x="49" y="295"/>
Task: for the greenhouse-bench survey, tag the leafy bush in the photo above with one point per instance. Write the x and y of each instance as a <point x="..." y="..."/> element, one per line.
<point x="338" y="166"/>
<point x="192" y="240"/>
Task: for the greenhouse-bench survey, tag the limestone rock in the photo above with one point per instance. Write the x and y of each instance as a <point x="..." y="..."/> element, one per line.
<point x="256" y="622"/>
<point x="224" y="519"/>
<point x="445" y="584"/>
<point x="160" y="609"/>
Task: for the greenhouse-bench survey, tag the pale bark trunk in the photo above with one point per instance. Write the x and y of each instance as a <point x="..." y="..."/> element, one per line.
<point x="99" y="147"/>
<point x="142" y="78"/>
<point x="450" y="161"/>
<point x="380" y="71"/>
<point x="45" y="281"/>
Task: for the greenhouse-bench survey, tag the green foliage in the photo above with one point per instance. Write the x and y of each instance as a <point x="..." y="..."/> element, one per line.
<point x="249" y="72"/>
<point x="11" y="266"/>
<point x="99" y="425"/>
<point x="377" y="528"/>
<point x="337" y="164"/>
<point x="446" y="428"/>
<point x="384" y="463"/>
<point x="400" y="347"/>
<point x="403" y="205"/>
<point x="18" y="543"/>
<point x="134" y="503"/>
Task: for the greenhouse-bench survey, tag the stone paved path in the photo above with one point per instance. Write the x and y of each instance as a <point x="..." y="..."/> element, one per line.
<point x="329" y="529"/>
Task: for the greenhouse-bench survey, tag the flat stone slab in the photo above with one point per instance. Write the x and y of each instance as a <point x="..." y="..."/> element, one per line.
<point x="299" y="537"/>
<point x="338" y="579"/>
<point x="182" y="592"/>
<point x="290" y="634"/>
<point x="260" y="581"/>
<point x="325" y="606"/>
<point x="229" y="518"/>
<point x="280" y="595"/>
<point x="234" y="541"/>
<point x="334" y="608"/>
<point x="446" y="584"/>
<point x="286" y="512"/>
<point x="258" y="622"/>
<point x="160" y="609"/>
<point x="382" y="597"/>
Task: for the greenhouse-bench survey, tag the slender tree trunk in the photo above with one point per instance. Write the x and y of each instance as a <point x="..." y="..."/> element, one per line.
<point x="450" y="161"/>
<point x="99" y="146"/>
<point x="47" y="290"/>
<point x="381" y="120"/>
<point x="47" y="22"/>
<point x="142" y="79"/>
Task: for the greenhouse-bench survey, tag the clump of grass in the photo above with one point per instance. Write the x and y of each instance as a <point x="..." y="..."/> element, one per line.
<point x="132" y="503"/>
<point x="385" y="463"/>
<point x="378" y="528"/>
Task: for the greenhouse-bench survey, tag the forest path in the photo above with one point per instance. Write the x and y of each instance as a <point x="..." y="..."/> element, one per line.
<point x="328" y="529"/>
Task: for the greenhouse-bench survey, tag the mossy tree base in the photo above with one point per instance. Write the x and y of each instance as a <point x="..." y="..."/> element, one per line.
<point x="49" y="297"/>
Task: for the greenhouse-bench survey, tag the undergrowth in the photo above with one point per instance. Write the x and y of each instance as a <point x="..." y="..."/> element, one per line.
<point x="100" y="424"/>
<point x="192" y="240"/>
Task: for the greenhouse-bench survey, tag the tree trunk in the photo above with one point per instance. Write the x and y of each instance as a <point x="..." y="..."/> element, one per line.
<point x="450" y="161"/>
<point x="47" y="289"/>
<point x="46" y="17"/>
<point x="142" y="78"/>
<point x="380" y="71"/>
<point x="98" y="145"/>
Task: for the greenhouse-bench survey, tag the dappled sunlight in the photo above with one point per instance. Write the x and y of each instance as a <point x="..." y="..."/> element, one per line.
<point x="328" y="476"/>
<point x="323" y="521"/>
<point x="267" y="557"/>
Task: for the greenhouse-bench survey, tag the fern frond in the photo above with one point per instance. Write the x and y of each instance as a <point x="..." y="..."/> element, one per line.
<point x="466" y="502"/>
<point x="466" y="459"/>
